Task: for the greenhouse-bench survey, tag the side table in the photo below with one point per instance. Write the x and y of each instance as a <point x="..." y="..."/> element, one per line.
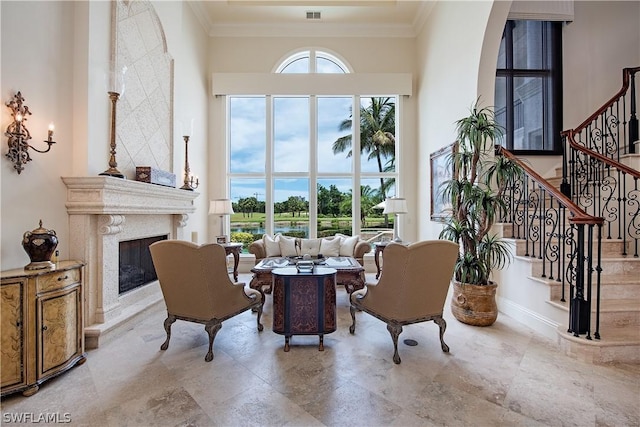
<point x="304" y="303"/>
<point x="233" y="249"/>
<point x="379" y="248"/>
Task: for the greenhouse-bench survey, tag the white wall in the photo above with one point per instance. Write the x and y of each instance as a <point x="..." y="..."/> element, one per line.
<point x="56" y="53"/>
<point x="43" y="75"/>
<point x="188" y="43"/>
<point x="603" y="39"/>
<point x="456" y="66"/>
<point x="449" y="50"/>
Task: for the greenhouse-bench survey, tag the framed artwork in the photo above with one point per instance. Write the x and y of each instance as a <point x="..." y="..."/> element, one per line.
<point x="221" y="239"/>
<point x="440" y="172"/>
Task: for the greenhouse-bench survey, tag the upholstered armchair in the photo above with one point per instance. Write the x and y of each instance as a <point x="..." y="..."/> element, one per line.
<point x="197" y="288"/>
<point x="412" y="288"/>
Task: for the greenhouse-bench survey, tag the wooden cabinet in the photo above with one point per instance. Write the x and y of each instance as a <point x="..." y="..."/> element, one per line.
<point x="42" y="325"/>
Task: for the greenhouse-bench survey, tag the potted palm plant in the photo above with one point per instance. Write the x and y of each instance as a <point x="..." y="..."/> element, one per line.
<point x="475" y="196"/>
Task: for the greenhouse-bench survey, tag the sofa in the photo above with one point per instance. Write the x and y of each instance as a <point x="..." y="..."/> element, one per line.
<point x="337" y="245"/>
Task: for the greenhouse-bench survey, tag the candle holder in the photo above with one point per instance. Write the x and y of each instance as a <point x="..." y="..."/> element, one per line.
<point x="113" y="164"/>
<point x="190" y="183"/>
<point x="19" y="134"/>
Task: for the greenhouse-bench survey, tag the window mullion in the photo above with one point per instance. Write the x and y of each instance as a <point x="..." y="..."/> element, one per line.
<point x="313" y="166"/>
<point x="355" y="146"/>
<point x="268" y="167"/>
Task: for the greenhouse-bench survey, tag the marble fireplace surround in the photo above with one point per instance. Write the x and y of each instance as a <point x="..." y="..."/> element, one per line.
<point x="103" y="211"/>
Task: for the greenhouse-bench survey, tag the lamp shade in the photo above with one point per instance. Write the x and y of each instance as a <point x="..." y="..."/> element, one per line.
<point x="395" y="205"/>
<point x="220" y="207"/>
<point x="380" y="205"/>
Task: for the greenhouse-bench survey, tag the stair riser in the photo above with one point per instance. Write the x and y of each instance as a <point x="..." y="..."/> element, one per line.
<point x="609" y="318"/>
<point x="601" y="355"/>
<point x="607" y="291"/>
<point x="608" y="248"/>
<point x="618" y="318"/>
<point x="609" y="266"/>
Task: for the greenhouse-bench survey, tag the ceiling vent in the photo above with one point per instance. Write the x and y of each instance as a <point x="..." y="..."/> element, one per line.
<point x="313" y="15"/>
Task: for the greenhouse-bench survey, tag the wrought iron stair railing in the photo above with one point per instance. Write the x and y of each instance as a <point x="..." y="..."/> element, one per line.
<point x="565" y="238"/>
<point x="613" y="129"/>
<point x="593" y="175"/>
<point x="605" y="188"/>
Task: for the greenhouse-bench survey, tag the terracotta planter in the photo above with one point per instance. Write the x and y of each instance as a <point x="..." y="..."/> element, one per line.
<point x="474" y="304"/>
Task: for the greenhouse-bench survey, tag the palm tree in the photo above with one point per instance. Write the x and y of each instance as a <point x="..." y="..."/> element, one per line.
<point x="377" y="134"/>
<point x="369" y="197"/>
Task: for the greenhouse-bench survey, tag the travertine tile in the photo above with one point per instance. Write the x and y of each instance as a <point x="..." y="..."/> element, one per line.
<point x="504" y="375"/>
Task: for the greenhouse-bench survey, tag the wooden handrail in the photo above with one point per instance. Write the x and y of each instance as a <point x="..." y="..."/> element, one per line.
<point x="624" y="168"/>
<point x="626" y="77"/>
<point x="579" y="216"/>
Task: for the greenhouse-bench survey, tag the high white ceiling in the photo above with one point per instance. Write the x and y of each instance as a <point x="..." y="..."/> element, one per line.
<point x="339" y="18"/>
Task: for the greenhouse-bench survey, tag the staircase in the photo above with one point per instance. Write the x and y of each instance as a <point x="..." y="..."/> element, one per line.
<point x="576" y="236"/>
<point x="619" y="313"/>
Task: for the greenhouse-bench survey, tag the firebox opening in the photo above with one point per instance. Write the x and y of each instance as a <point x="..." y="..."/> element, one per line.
<point x="135" y="263"/>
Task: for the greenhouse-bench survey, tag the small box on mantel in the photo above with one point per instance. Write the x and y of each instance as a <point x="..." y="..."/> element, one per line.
<point x="155" y="176"/>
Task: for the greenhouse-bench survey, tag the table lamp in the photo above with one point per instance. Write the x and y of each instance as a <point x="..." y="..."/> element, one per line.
<point x="221" y="207"/>
<point x="395" y="205"/>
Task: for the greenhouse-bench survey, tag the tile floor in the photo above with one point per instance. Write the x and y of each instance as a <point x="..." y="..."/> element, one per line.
<point x="504" y="375"/>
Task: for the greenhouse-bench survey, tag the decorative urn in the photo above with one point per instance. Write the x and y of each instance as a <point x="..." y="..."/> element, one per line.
<point x="39" y="245"/>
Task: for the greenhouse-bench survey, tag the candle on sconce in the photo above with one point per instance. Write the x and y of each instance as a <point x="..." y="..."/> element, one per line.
<point x="18" y="117"/>
<point x="51" y="129"/>
<point x="186" y="127"/>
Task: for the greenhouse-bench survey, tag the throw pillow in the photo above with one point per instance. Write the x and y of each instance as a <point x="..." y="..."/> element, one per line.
<point x="288" y="246"/>
<point x="271" y="245"/>
<point x="348" y="245"/>
<point x="330" y="247"/>
<point x="310" y="246"/>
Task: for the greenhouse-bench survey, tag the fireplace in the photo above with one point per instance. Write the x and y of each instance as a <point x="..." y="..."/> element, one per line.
<point x="104" y="214"/>
<point x="135" y="265"/>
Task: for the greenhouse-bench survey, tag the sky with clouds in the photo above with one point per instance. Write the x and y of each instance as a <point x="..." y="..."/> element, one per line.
<point x="291" y="129"/>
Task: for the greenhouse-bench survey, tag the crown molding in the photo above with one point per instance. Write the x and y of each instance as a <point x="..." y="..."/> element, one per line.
<point x="201" y="15"/>
<point x="311" y="30"/>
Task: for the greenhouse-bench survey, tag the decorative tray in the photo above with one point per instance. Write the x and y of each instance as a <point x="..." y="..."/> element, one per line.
<point x="316" y="260"/>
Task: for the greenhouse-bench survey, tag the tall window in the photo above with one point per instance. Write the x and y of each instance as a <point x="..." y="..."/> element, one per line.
<point x="311" y="165"/>
<point x="528" y="94"/>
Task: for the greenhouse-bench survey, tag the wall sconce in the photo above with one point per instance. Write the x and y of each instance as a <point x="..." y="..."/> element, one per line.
<point x="19" y="134"/>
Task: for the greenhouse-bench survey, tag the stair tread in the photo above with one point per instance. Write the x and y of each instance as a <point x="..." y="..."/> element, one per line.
<point x="609" y="305"/>
<point x="605" y="279"/>
<point x="608" y="336"/>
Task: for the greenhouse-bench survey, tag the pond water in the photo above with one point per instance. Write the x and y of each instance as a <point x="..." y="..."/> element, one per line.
<point x="278" y="228"/>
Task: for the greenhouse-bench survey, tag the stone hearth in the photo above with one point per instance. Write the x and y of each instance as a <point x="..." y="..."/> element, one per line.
<point x="104" y="211"/>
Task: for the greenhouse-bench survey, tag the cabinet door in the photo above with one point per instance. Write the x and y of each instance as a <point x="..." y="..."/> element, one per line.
<point x="59" y="330"/>
<point x="12" y="304"/>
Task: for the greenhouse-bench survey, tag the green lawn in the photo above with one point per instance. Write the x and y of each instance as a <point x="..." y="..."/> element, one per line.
<point x="258" y="219"/>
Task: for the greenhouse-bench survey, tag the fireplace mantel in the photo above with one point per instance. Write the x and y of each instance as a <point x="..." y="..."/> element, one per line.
<point x="97" y="195"/>
<point x="104" y="211"/>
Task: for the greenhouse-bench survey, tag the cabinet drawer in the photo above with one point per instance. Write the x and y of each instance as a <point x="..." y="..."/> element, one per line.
<point x="57" y="280"/>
